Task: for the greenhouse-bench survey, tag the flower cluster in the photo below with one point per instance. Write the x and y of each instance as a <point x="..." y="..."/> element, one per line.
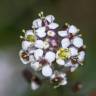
<point x="52" y="52"/>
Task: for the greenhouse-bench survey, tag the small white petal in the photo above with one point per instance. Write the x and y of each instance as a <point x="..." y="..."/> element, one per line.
<point x="26" y="45"/>
<point x="39" y="44"/>
<point x="37" y="23"/>
<point x="35" y="66"/>
<point x="51" y="33"/>
<point x="23" y="60"/>
<point x="78" y="42"/>
<point x="31" y="50"/>
<point x="60" y="61"/>
<point x="52" y="76"/>
<point x="65" y="42"/>
<point x="62" y="33"/>
<point x="73" y="29"/>
<point x="28" y="32"/>
<point x="63" y="82"/>
<point x="62" y="75"/>
<point x="41" y="32"/>
<point x="50" y="56"/>
<point x="31" y="58"/>
<point x="47" y="71"/>
<point x="50" y="18"/>
<point x="42" y="29"/>
<point x="34" y="85"/>
<point x="73" y="51"/>
<point x="81" y="56"/>
<point x="38" y="53"/>
<point x="68" y="64"/>
<point x="53" y="26"/>
<point x="73" y="68"/>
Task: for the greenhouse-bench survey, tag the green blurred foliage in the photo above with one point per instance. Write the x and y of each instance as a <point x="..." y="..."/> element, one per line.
<point x="18" y="14"/>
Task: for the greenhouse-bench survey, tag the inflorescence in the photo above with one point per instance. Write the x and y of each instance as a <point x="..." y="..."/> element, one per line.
<point x="52" y="52"/>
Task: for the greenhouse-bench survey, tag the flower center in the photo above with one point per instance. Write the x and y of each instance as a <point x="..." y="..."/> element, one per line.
<point x="31" y="38"/>
<point x="57" y="80"/>
<point x="51" y="33"/>
<point x="63" y="53"/>
<point x="25" y="56"/>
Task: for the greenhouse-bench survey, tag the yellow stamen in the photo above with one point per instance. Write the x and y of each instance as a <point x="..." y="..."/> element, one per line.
<point x="50" y="33"/>
<point x="31" y="38"/>
<point x="41" y="15"/>
<point x="63" y="53"/>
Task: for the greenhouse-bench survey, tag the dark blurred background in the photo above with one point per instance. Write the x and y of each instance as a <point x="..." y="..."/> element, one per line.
<point x="16" y="15"/>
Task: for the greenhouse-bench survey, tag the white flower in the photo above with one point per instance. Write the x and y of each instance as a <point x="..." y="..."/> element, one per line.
<point x="38" y="53"/>
<point x="41" y="32"/>
<point x="26" y="45"/>
<point x="63" y="33"/>
<point x="73" y="51"/>
<point x="53" y="25"/>
<point x="81" y="56"/>
<point x="24" y="57"/>
<point x="65" y="42"/>
<point x="34" y="85"/>
<point x="62" y="55"/>
<point x="39" y="44"/>
<point x="60" y="61"/>
<point x="50" y="56"/>
<point x="47" y="71"/>
<point x="30" y="36"/>
<point x="37" y="23"/>
<point x="51" y="33"/>
<point x="73" y="29"/>
<point x="58" y="78"/>
<point x="50" y="18"/>
<point x="77" y="42"/>
<point x="36" y="66"/>
<point x="46" y="45"/>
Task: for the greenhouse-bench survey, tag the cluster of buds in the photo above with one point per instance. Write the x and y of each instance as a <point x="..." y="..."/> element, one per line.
<point x="52" y="52"/>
